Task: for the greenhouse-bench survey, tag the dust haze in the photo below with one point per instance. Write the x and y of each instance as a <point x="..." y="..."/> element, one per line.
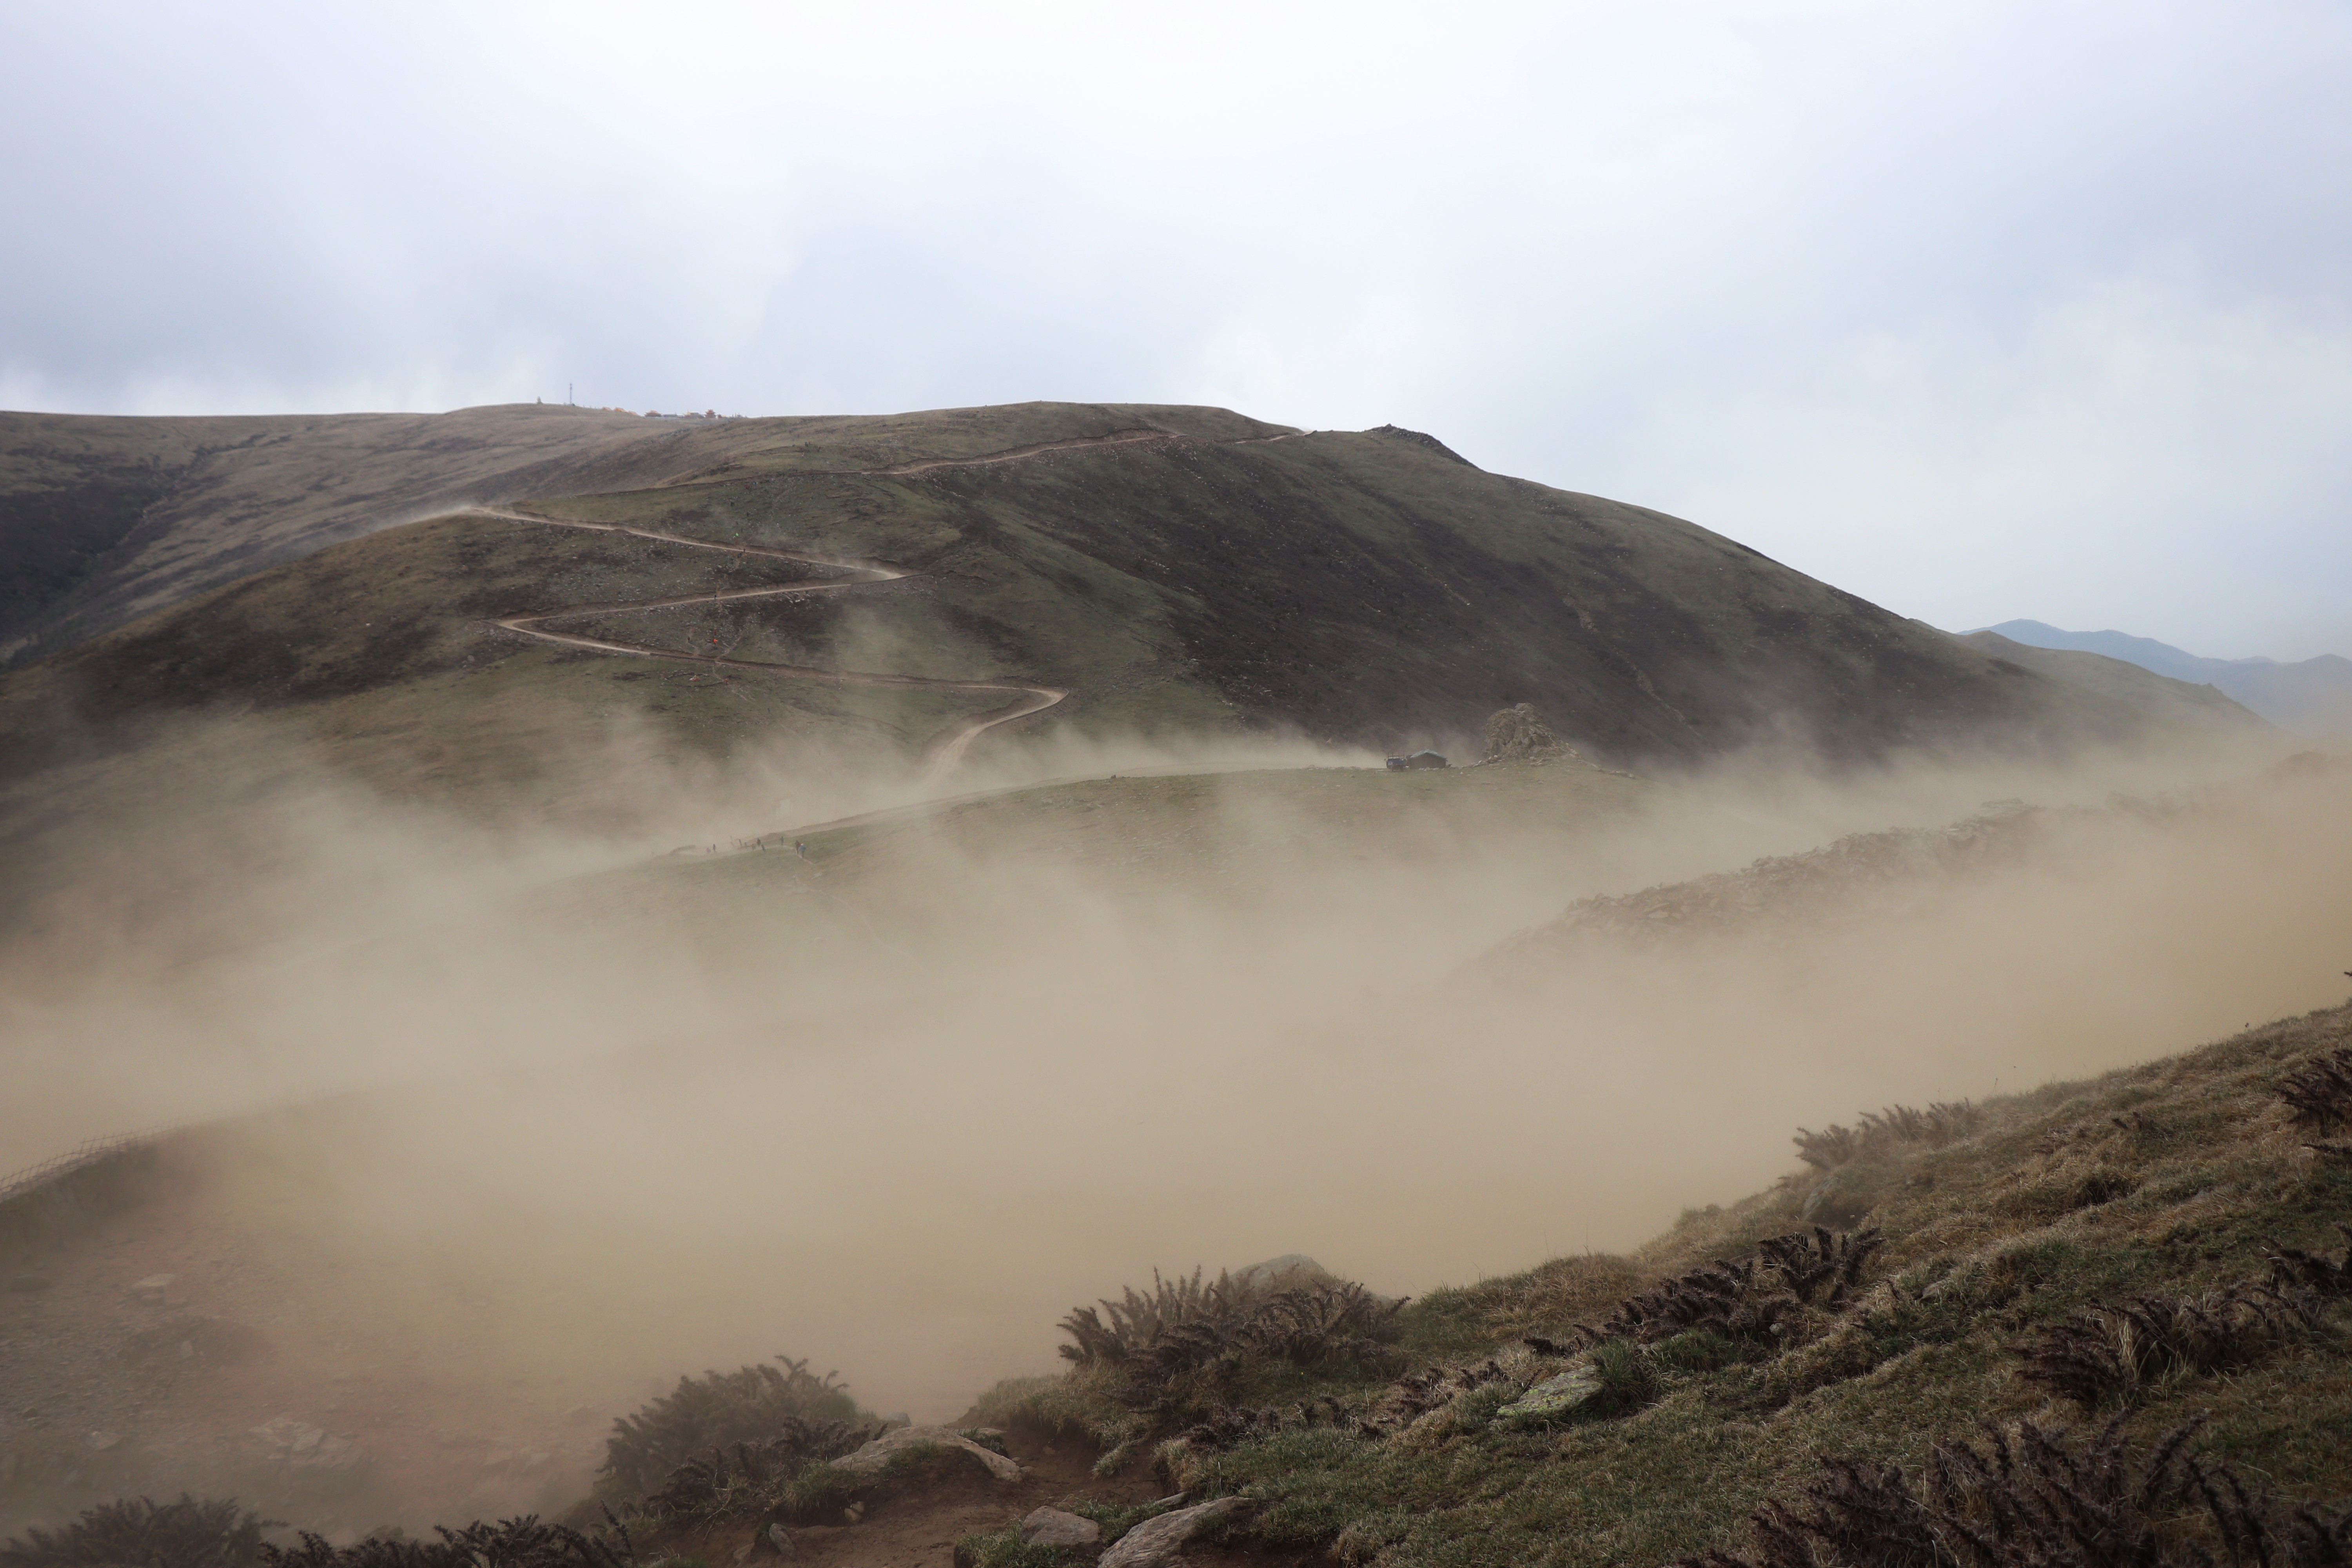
<point x="499" y="1124"/>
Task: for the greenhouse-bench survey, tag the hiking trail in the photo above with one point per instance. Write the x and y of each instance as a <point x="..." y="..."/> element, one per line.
<point x="946" y="749"/>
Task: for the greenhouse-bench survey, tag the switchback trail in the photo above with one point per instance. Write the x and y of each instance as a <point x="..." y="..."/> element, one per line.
<point x="947" y="748"/>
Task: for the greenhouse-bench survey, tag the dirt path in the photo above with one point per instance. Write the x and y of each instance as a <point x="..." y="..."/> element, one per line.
<point x="946" y="749"/>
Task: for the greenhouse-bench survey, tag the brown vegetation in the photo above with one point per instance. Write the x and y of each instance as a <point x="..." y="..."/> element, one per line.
<point x="2107" y="1354"/>
<point x="2037" y="1497"/>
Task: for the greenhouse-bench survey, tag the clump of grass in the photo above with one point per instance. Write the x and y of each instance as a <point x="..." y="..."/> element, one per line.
<point x="818" y="1493"/>
<point x="1628" y="1376"/>
<point x="1879" y="1133"/>
<point x="1476" y="1318"/>
<point x="2108" y="1354"/>
<point x="193" y="1532"/>
<point x="524" y="1543"/>
<point x="718" y="1410"/>
<point x="2319" y="1093"/>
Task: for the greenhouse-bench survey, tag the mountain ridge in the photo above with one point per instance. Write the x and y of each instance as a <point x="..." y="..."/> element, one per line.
<point x="2312" y="695"/>
<point x="1219" y="576"/>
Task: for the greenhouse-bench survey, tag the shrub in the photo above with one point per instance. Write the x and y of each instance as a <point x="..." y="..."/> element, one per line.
<point x="2110" y="1353"/>
<point x="718" y="1410"/>
<point x="194" y="1532"/>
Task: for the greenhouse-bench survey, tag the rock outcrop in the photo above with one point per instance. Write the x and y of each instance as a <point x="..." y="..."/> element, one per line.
<point x="873" y="1460"/>
<point x="1054" y="1527"/>
<point x="1159" y="1542"/>
<point x="1517" y="735"/>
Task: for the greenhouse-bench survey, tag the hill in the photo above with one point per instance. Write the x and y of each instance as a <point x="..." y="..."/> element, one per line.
<point x="2099" y="1291"/>
<point x="2181" y="703"/>
<point x="105" y="519"/>
<point x="901" y="1099"/>
<point x="872" y="591"/>
<point x="2312" y="695"/>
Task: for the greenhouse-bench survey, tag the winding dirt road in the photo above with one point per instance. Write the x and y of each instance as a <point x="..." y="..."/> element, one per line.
<point x="946" y="749"/>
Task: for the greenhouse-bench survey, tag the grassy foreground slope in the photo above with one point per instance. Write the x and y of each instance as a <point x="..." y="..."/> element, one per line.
<point x="2011" y="1236"/>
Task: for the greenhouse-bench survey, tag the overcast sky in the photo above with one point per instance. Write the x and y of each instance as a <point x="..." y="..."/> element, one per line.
<point x="1978" y="310"/>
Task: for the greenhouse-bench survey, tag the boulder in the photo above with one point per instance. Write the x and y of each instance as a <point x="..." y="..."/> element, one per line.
<point x="1159" y="1542"/>
<point x="1289" y="1271"/>
<point x="1516" y="735"/>
<point x="875" y="1457"/>
<point x="1555" y="1398"/>
<point x="1052" y="1527"/>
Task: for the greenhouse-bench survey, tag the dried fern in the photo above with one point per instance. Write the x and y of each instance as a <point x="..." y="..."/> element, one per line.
<point x="1880" y="1133"/>
<point x="509" y="1544"/>
<point x="2293" y="1269"/>
<point x="2037" y="1498"/>
<point x="1752" y="1301"/>
<point x="2105" y="1354"/>
<point x="1818" y="1268"/>
<point x="2319" y="1093"/>
<point x="1183" y="1325"/>
<point x="1738" y="1301"/>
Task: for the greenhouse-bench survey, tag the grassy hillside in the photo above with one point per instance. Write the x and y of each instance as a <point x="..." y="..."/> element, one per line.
<point x="2148" y="1249"/>
<point x="1196" y="573"/>
<point x="105" y="519"/>
<point x="2135" y="1288"/>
